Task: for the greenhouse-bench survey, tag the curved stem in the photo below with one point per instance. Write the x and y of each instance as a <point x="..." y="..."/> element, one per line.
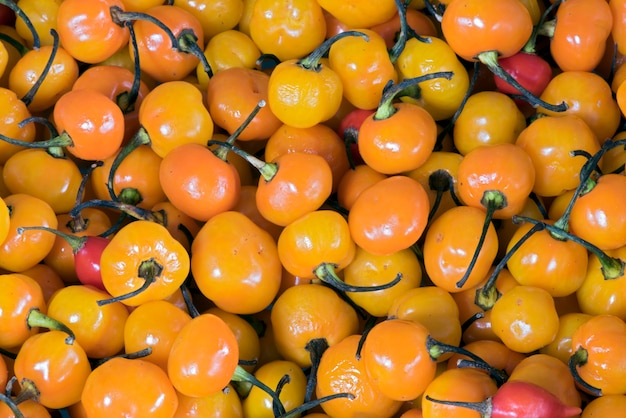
<point x="436" y="349"/>
<point x="585" y="175"/>
<point x="487" y="295"/>
<point x="312" y="61"/>
<point x="403" y="36"/>
<point x="612" y="268"/>
<point x="131" y="210"/>
<point x="325" y="272"/>
<point x="188" y="44"/>
<point x="120" y="17"/>
<point x="350" y="136"/>
<point x="44" y="121"/>
<point x="126" y="100"/>
<point x="490" y="59"/>
<point x="30" y="95"/>
<point x="241" y="375"/>
<point x="21" y="49"/>
<point x="221" y="152"/>
<point x="76" y="242"/>
<point x="492" y="200"/>
<point x="267" y="170"/>
<point x="385" y="107"/>
<point x="316" y="402"/>
<point x="470" y="321"/>
<point x="29" y="24"/>
<point x="12" y="405"/>
<point x="367" y="327"/>
<point x="63" y="140"/>
<point x="149" y="271"/>
<point x="79" y="224"/>
<point x="437" y="14"/>
<point x="36" y="318"/>
<point x="131" y="356"/>
<point x="579" y="358"/>
<point x="316" y="347"/>
<point x="191" y="307"/>
<point x="530" y="44"/>
<point x="139" y="139"/>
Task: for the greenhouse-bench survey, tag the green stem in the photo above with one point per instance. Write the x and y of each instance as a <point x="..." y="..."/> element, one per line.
<point x="30" y="95"/>
<point x="149" y="270"/>
<point x="487" y="295"/>
<point x="29" y="24"/>
<point x="612" y="268"/>
<point x="312" y="61"/>
<point x="367" y="327"/>
<point x="530" y="44"/>
<point x="36" y="318"/>
<point x="386" y="108"/>
<point x="15" y="44"/>
<point x="139" y="139"/>
<point x="436" y="349"/>
<point x="76" y="242"/>
<point x="12" y="405"/>
<point x="316" y="402"/>
<point x="188" y="44"/>
<point x="62" y="140"/>
<point x="267" y="170"/>
<point x="131" y="210"/>
<point x="585" y="174"/>
<point x="241" y="375"/>
<point x="490" y="59"/>
<point x="579" y="358"/>
<point x="126" y="100"/>
<point x="222" y="152"/>
<point x="316" y="347"/>
<point x="120" y="17"/>
<point x="492" y="200"/>
<point x="325" y="272"/>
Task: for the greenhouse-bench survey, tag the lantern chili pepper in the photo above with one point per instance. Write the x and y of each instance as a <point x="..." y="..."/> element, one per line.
<point x="143" y="262"/>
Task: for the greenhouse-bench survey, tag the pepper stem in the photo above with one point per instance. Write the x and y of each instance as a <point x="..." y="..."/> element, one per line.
<point x="326" y="273"/>
<point x="131" y="210"/>
<point x="267" y="170"/>
<point x="12" y="405"/>
<point x="612" y="268"/>
<point x="221" y="152"/>
<point x="29" y="24"/>
<point x="76" y="242"/>
<point x="585" y="175"/>
<point x="436" y="349"/>
<point x="149" y="270"/>
<point x="579" y="358"/>
<point x="188" y="44"/>
<point x="140" y="138"/>
<point x="492" y="200"/>
<point x="485" y="407"/>
<point x="490" y="59"/>
<point x="316" y="348"/>
<point x="386" y="108"/>
<point x="36" y="318"/>
<point x="126" y="100"/>
<point x="487" y="295"/>
<point x="312" y="61"/>
<point x="241" y="375"/>
<point x="30" y="95"/>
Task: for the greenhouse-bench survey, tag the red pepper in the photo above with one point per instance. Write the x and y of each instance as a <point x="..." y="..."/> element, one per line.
<point x="518" y="399"/>
<point x="530" y="70"/>
<point x="349" y="130"/>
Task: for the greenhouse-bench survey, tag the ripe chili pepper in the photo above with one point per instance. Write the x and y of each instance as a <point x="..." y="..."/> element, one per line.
<point x="518" y="400"/>
<point x="87" y="252"/>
